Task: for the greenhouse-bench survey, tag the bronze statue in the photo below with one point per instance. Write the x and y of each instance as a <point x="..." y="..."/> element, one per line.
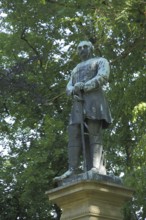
<point x="90" y="112"/>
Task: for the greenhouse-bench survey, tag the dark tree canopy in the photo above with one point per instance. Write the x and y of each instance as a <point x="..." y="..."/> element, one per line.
<point x="38" y="41"/>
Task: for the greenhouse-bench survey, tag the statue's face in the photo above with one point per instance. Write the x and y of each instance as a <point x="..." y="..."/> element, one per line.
<point x="85" y="50"/>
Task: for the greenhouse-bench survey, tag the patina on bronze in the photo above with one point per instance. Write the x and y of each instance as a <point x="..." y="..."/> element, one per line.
<point x="89" y="109"/>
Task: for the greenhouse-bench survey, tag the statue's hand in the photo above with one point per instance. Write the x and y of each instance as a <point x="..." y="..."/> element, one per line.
<point x="91" y="85"/>
<point x="77" y="98"/>
<point x="78" y="87"/>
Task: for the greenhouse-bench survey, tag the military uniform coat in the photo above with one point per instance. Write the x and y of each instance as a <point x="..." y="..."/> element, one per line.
<point x="94" y="73"/>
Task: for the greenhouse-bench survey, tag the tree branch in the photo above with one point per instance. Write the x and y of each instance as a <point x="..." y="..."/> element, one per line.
<point x="23" y="37"/>
<point x="131" y="47"/>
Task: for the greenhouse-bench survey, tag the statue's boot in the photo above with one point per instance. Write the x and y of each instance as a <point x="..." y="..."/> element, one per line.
<point x="73" y="155"/>
<point x="98" y="164"/>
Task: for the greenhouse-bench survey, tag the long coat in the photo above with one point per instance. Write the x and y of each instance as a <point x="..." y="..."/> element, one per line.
<point x="94" y="73"/>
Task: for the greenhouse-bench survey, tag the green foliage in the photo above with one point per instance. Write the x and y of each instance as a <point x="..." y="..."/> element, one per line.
<point x="38" y="50"/>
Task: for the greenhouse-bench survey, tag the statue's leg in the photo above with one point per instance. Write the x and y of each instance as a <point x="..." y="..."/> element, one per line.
<point x="96" y="148"/>
<point x="88" y="152"/>
<point x="74" y="148"/>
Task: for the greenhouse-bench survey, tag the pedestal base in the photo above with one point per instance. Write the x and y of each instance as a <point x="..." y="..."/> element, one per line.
<point x="90" y="200"/>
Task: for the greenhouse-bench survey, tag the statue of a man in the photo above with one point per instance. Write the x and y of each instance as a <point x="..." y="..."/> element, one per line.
<point x="89" y="109"/>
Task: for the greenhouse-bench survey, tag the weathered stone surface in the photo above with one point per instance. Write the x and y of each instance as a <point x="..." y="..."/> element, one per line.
<point x="90" y="175"/>
<point x="92" y="198"/>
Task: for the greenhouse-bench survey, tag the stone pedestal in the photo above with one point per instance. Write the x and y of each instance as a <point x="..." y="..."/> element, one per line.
<point x="90" y="199"/>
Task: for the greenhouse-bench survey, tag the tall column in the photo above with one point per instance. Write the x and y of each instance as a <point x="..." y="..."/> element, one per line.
<point x="89" y="199"/>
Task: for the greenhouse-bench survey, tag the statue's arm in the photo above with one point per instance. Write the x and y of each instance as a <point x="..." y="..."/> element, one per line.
<point x="101" y="77"/>
<point x="70" y="87"/>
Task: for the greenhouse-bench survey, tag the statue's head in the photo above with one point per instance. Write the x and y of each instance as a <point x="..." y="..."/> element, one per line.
<point x="85" y="50"/>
